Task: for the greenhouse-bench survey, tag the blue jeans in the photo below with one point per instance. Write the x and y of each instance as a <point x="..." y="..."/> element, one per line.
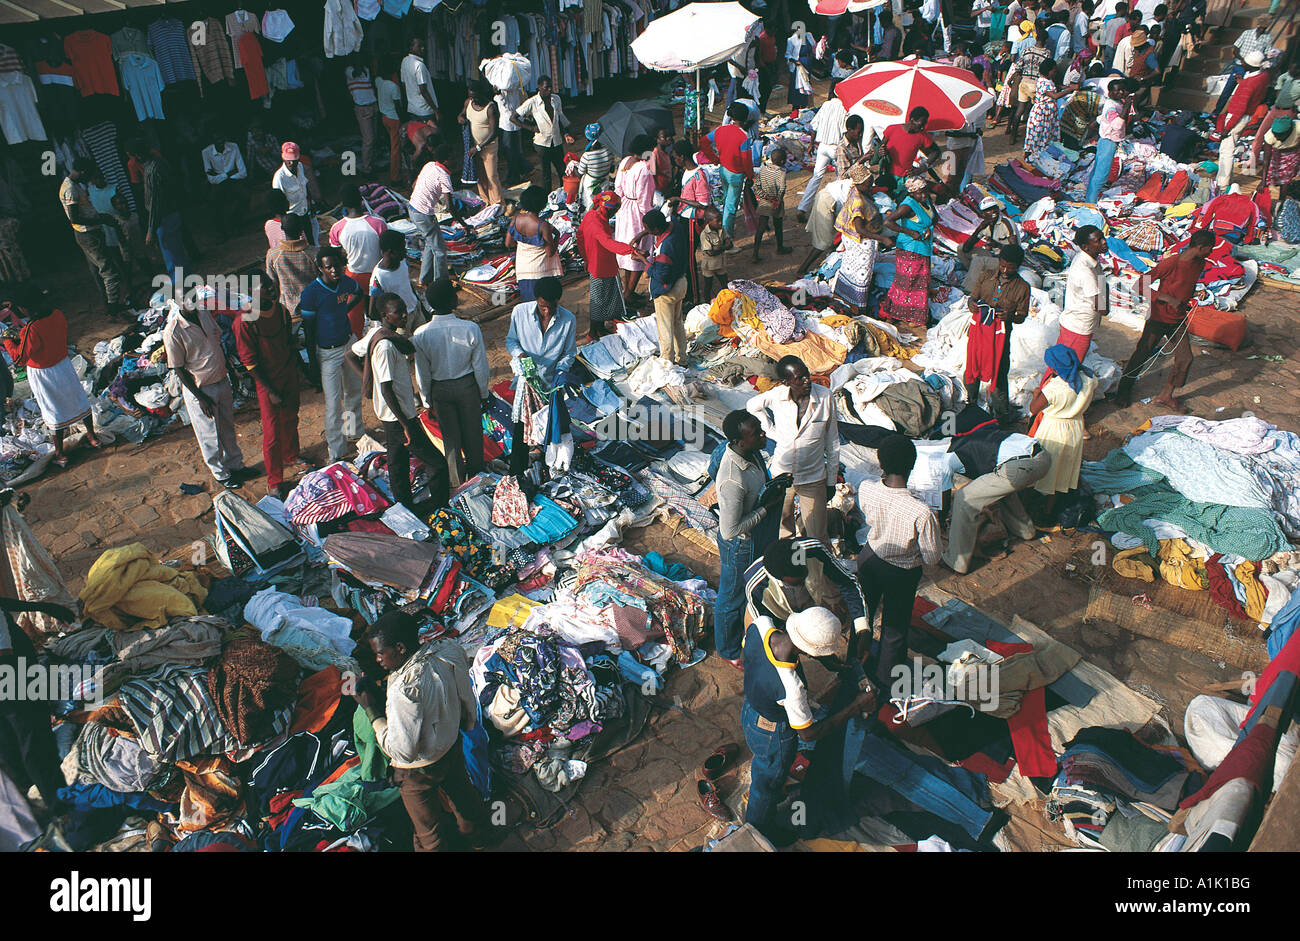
<point x="729" y="612"/>
<point x="732" y="183"/>
<point x="773" y="754"/>
<point x="1235" y="72"/>
<point x="171" y="244"/>
<point x="926" y="781"/>
<point x="433" y="263"/>
<point x="1100" y="168"/>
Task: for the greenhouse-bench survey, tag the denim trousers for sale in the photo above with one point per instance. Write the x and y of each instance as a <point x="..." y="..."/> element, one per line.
<point x="926" y="781"/>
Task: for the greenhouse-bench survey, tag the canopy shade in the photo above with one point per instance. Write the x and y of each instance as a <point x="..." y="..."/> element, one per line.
<point x="696" y="36"/>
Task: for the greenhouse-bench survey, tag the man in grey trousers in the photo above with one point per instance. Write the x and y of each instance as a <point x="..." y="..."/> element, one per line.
<point x="451" y="365"/>
<point x="1000" y="464"/>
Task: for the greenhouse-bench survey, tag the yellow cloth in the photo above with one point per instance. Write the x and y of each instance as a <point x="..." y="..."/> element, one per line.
<point x="1135" y="563"/>
<point x="510" y="611"/>
<point x="763" y="383"/>
<point x="820" y="354"/>
<point x="128" y="582"/>
<point x="1182" y="209"/>
<point x="1180" y="567"/>
<point x="722" y="311"/>
<point x="888" y="346"/>
<point x="1255" y="593"/>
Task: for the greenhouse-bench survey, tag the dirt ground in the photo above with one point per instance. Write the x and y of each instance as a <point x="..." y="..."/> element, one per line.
<point x="642" y="798"/>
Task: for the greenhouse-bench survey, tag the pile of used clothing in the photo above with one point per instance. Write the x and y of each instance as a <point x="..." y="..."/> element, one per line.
<point x="1207" y="506"/>
<point x="210" y="709"/>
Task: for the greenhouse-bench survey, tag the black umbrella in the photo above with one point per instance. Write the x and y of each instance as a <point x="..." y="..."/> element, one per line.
<point x="621" y="124"/>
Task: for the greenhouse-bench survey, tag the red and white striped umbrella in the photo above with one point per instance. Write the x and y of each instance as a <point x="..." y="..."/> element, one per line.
<point x="837" y="7"/>
<point x="884" y="93"/>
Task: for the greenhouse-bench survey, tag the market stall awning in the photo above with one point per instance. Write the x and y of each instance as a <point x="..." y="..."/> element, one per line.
<point x="14" y="12"/>
<point x="698" y="36"/>
<point x="840" y="7"/>
<point x="884" y="93"/>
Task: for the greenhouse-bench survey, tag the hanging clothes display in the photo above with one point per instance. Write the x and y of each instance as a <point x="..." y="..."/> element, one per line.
<point x="18" y="115"/>
<point x="143" y="82"/>
<point x="91" y="55"/>
<point x="211" y="56"/>
<point x="250" y="51"/>
<point x="169" y="45"/>
<point x="238" y="23"/>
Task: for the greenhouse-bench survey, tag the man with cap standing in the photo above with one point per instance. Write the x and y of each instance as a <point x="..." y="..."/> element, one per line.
<point x="291" y="179"/>
<point x="1235" y="117"/>
<point x="777" y="712"/>
<point x="999" y="299"/>
<point x="999" y="465"/>
<point x="1285" y="91"/>
<point x="1001" y="232"/>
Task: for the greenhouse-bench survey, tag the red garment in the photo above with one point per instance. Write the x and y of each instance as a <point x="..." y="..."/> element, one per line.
<point x="446" y="588"/>
<point x="598" y="246"/>
<point x="1246" y="97"/>
<point x="985" y="344"/>
<point x="1232" y="215"/>
<point x="318" y="698"/>
<point x="1251" y="758"/>
<point x="766" y="48"/>
<point x="1177" y="274"/>
<point x="1221" y="588"/>
<point x="41" y="343"/>
<point x="250" y="53"/>
<point x="1123" y="30"/>
<point x="1029" y="733"/>
<point x="266" y="342"/>
<point x="91" y="55"/>
<point x="730" y="146"/>
<point x="903" y="147"/>
<point x="980" y="763"/>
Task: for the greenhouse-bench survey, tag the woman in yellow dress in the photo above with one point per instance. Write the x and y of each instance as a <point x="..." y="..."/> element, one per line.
<point x="1063" y="400"/>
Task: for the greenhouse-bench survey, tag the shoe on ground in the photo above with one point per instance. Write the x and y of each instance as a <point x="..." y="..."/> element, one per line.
<point x="230" y="483"/>
<point x="716" y="765"/>
<point x="711" y="801"/>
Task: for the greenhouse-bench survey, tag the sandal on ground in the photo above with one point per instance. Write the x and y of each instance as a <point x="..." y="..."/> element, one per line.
<point x="60" y="462"/>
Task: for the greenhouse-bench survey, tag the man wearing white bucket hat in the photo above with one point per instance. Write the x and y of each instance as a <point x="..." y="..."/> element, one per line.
<point x="777" y="712"/>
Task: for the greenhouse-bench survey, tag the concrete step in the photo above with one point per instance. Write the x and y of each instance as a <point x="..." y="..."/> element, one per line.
<point x="1185" y="99"/>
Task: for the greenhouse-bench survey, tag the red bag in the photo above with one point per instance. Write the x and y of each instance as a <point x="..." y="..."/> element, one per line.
<point x="1225" y="327"/>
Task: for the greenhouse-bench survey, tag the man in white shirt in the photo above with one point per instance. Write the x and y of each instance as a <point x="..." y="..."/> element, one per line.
<point x="827" y="128"/>
<point x="451" y="366"/>
<point x="421" y="102"/>
<point x="291" y="179"/>
<point x="224" y="166"/>
<point x="1086" y="299"/>
<point x="800" y="417"/>
<point x="357" y="233"/>
<point x="382" y="357"/>
<point x="545" y="115"/>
